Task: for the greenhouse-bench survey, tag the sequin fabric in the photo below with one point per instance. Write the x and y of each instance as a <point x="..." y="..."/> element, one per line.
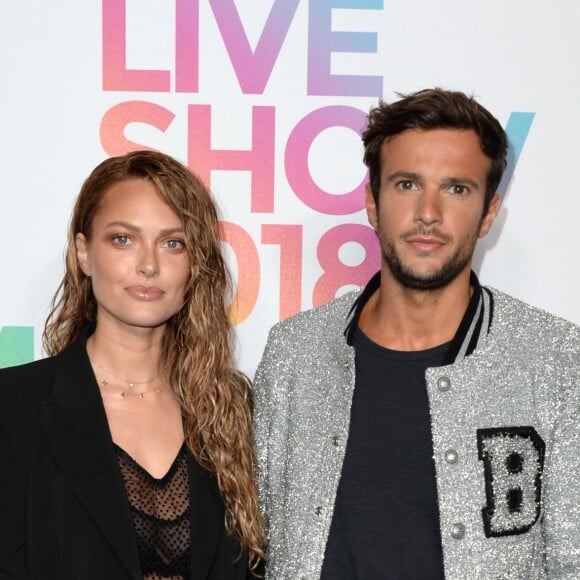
<point x="524" y="375"/>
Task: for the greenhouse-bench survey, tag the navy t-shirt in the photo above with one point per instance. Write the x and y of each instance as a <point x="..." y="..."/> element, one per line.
<point x="386" y="519"/>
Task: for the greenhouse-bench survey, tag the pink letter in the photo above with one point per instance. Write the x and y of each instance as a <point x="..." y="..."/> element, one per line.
<point x="289" y="238"/>
<point x="259" y="160"/>
<point x="296" y="160"/>
<point x="116" y="77"/>
<point x="187" y="46"/>
<point x="253" y="69"/>
<point x="248" y="262"/>
<point x="119" y="116"/>
<point x="336" y="274"/>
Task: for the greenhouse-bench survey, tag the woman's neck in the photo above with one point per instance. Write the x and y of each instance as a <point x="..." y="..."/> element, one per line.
<point x="133" y="358"/>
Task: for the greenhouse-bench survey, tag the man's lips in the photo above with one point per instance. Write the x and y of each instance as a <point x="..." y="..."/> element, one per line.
<point x="146" y="293"/>
<point x="425" y="243"/>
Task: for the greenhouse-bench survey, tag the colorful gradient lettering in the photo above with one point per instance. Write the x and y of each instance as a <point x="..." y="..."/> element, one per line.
<point x="253" y="68"/>
<point x="16" y="345"/>
<point x="289" y="238"/>
<point x="248" y="286"/>
<point x="336" y="274"/>
<point x="517" y="129"/>
<point x="296" y="160"/>
<point x="323" y="41"/>
<point x="114" y="121"/>
<point x="116" y="75"/>
<point x="259" y="160"/>
<point x="187" y="46"/>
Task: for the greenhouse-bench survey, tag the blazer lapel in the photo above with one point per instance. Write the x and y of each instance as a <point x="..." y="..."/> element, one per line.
<point x="207" y="518"/>
<point x="79" y="436"/>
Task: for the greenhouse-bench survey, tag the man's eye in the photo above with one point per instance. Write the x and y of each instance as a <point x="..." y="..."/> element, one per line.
<point x="407" y="185"/>
<point x="459" y="189"/>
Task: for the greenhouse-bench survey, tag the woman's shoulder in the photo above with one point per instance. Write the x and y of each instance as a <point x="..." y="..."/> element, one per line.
<point x="28" y="370"/>
<point x="24" y="381"/>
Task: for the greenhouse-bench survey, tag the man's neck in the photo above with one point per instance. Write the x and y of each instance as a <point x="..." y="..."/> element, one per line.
<point x="406" y="319"/>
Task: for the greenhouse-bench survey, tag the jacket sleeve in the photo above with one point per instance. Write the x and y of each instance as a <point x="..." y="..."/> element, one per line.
<point x="12" y="495"/>
<point x="264" y="383"/>
<point x="562" y="484"/>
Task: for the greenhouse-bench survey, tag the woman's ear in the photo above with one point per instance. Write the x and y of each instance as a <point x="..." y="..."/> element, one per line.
<point x="82" y="247"/>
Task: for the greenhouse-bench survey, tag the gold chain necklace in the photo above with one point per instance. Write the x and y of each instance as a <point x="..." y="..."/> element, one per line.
<point x="138" y="393"/>
<point x="131" y="384"/>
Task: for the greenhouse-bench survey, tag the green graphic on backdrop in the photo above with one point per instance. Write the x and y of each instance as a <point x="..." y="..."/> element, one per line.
<point x="16" y="345"/>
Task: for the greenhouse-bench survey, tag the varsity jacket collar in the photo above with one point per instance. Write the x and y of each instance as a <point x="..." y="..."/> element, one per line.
<point x="472" y="330"/>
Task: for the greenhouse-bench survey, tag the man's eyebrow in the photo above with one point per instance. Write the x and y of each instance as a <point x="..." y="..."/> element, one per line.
<point x="411" y="176"/>
<point x="460" y="181"/>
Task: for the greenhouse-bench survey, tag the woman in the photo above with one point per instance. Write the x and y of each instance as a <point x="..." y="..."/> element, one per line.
<point x="128" y="453"/>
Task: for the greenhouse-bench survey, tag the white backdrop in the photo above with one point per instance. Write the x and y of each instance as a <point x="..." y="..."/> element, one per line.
<point x="264" y="99"/>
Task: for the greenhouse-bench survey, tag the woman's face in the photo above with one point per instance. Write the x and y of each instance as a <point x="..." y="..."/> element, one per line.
<point x="136" y="258"/>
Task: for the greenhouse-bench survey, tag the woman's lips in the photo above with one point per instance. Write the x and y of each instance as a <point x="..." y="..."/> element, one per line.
<point x="145" y="293"/>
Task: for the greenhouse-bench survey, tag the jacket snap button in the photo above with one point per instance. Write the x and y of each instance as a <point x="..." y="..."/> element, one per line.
<point x="443" y="384"/>
<point x="457" y="531"/>
<point x="451" y="456"/>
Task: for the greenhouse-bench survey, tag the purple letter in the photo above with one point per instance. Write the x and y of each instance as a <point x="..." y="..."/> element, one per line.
<point x="253" y="69"/>
<point x="296" y="160"/>
<point x="323" y="41"/>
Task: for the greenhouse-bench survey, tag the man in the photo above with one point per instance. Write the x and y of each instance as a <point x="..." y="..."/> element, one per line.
<point x="426" y="426"/>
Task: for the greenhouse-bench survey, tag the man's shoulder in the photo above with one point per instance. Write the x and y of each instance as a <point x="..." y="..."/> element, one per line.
<point x="329" y="318"/>
<point x="318" y="331"/>
<point x="518" y="320"/>
<point x="302" y="349"/>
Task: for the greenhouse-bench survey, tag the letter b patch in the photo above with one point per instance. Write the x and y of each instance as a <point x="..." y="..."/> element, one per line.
<point x="513" y="460"/>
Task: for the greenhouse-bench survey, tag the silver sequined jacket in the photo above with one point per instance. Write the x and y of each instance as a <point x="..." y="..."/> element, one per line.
<point x="516" y="396"/>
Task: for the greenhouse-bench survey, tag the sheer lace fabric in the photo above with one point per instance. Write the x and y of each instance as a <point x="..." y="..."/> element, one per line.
<point x="161" y="516"/>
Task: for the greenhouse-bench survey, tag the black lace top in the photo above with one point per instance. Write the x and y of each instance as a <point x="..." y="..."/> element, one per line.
<point x="161" y="515"/>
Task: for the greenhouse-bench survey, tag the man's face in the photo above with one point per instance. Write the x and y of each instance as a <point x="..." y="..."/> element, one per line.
<point x="430" y="209"/>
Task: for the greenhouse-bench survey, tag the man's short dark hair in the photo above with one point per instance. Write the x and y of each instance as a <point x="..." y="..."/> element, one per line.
<point x="435" y="109"/>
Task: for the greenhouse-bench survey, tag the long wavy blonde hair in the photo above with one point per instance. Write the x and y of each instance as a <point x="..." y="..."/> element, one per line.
<point x="196" y="354"/>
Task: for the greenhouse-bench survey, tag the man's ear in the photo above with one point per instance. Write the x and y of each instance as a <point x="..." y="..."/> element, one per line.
<point x="82" y="248"/>
<point x="489" y="217"/>
<point x="371" y="206"/>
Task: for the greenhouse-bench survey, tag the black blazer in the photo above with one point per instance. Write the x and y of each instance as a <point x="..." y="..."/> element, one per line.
<point x="64" y="513"/>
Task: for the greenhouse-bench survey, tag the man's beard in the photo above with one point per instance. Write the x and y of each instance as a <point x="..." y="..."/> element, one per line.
<point x="440" y="278"/>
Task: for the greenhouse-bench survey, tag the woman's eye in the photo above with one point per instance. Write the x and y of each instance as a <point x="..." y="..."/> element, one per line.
<point x="121" y="240"/>
<point x="175" y="244"/>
